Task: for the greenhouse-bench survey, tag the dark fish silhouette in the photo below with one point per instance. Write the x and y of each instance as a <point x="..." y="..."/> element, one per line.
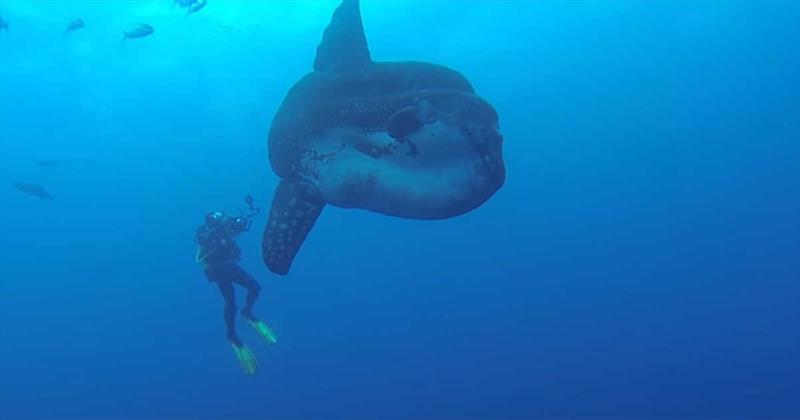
<point x="138" y="31"/>
<point x="196" y="6"/>
<point x="74" y="25"/>
<point x="3" y="24"/>
<point x="46" y="164"/>
<point x="191" y="6"/>
<point x="406" y="139"/>
<point x="33" y="190"/>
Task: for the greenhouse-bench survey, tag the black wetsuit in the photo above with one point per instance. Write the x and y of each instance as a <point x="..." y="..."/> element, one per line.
<point x="219" y="255"/>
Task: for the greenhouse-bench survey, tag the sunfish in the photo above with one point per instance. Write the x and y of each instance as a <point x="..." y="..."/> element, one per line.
<point x="406" y="139"/>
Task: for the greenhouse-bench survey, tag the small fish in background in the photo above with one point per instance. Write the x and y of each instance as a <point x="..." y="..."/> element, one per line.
<point x="3" y="24"/>
<point x="74" y="26"/>
<point x="46" y="163"/>
<point x="192" y="6"/>
<point x="138" y="31"/>
<point x="34" y="190"/>
<point x="226" y="28"/>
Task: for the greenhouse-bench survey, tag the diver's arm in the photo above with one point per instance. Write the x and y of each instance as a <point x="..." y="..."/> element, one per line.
<point x="210" y="237"/>
<point x="202" y="235"/>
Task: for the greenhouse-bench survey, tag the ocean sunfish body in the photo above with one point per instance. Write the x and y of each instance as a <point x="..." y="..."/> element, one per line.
<point x="34" y="190"/>
<point x="138" y="31"/>
<point x="406" y="139"/>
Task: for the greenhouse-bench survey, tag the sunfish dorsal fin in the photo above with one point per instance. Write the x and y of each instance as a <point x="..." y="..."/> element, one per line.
<point x="343" y="43"/>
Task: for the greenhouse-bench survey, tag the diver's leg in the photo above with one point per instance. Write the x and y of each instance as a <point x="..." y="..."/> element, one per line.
<point x="226" y="288"/>
<point x="253" y="289"/>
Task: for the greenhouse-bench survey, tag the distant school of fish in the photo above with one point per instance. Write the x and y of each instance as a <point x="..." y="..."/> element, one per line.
<point x="139" y="30"/>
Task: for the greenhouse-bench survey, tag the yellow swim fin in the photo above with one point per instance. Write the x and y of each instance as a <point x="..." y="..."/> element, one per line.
<point x="246" y="359"/>
<point x="263" y="330"/>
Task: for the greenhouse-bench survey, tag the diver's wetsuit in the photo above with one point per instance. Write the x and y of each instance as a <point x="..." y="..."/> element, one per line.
<point x="220" y="256"/>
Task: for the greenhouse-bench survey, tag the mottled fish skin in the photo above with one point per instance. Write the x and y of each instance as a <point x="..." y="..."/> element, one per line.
<point x="406" y="139"/>
<point x="34" y="190"/>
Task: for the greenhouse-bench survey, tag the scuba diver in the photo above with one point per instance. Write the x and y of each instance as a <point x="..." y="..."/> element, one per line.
<point x="218" y="254"/>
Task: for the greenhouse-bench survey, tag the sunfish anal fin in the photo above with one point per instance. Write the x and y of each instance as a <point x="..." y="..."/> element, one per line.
<point x="295" y="207"/>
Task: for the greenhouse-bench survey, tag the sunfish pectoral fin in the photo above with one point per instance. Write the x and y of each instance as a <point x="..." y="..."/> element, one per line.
<point x="295" y="207"/>
<point x="343" y="43"/>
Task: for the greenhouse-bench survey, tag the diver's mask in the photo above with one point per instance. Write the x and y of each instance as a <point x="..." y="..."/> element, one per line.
<point x="214" y="219"/>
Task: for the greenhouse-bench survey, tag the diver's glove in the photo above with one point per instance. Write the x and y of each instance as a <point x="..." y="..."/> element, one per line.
<point x="246" y="359"/>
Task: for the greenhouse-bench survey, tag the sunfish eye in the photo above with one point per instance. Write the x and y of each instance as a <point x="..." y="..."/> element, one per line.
<point x="404" y="122"/>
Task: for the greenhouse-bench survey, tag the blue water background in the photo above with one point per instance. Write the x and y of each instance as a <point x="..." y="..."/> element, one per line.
<point x="641" y="261"/>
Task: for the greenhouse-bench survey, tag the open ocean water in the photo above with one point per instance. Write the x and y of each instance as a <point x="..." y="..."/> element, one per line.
<point x="640" y="261"/>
